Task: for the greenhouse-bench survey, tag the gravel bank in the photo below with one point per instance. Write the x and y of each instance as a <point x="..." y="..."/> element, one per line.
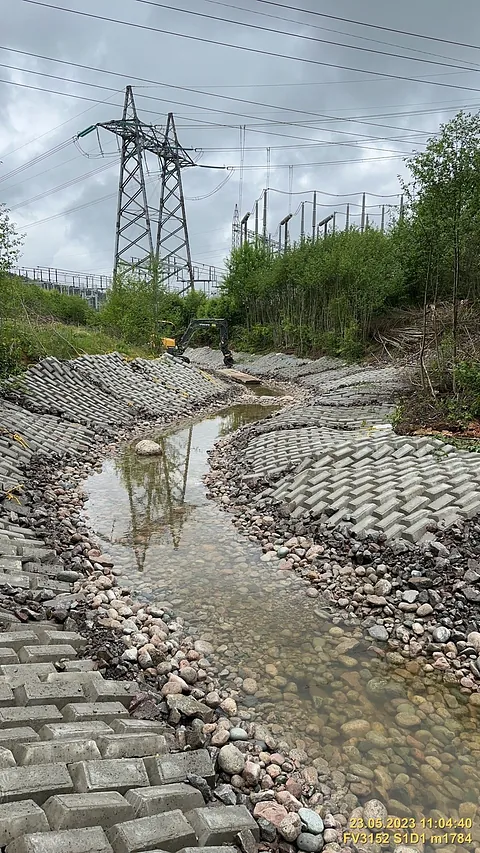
<point x="178" y="679"/>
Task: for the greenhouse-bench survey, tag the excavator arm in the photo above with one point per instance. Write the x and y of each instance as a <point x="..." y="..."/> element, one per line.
<point x="204" y="323"/>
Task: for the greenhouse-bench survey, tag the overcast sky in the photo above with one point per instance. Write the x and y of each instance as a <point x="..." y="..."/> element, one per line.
<point x="324" y="127"/>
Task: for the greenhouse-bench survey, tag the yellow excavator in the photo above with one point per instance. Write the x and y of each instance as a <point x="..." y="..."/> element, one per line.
<point x="177" y="347"/>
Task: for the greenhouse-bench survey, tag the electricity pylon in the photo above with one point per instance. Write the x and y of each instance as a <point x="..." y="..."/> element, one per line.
<point x="173" y="245"/>
<point x="236" y="228"/>
<point x="135" y="244"/>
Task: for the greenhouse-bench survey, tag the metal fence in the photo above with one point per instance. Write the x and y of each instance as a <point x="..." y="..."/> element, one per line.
<point x="94" y="288"/>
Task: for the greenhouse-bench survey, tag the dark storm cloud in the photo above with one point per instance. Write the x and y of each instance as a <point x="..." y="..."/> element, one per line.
<point x="308" y="129"/>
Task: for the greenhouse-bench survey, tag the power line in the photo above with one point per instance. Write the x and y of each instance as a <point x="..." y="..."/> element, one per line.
<point x="366" y="24"/>
<point x="68" y="211"/>
<point x="63" y="186"/>
<point x="52" y="129"/>
<point x="254" y="50"/>
<point x="37" y="159"/>
<point x="43" y="172"/>
<point x="365" y="137"/>
<point x="226" y="112"/>
<point x="328" y="30"/>
<point x="207" y="124"/>
<point x="315" y="39"/>
<point x="333" y="195"/>
<point x="196" y="91"/>
<point x="84" y="67"/>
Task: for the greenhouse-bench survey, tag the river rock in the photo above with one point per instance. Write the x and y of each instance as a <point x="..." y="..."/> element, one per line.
<point x="383" y="587"/>
<point x="290" y="827"/>
<point x="471" y="594"/>
<point x="310" y="843"/>
<point x="425" y="610"/>
<point x="231" y="760"/>
<point x="378" y="632"/>
<point x="251" y="773"/>
<point x="190" y="707"/>
<point x="203" y="648"/>
<point x="189" y="674"/>
<point x="220" y="737"/>
<point x="130" y="655"/>
<point x="268" y="831"/>
<point x="376" y="600"/>
<point x="406" y="720"/>
<point x="226" y="795"/>
<point x="146" y="447"/>
<point x="272" y="812"/>
<point x="375" y="810"/>
<point x="229" y="707"/>
<point x="473" y="639"/>
<point x="312" y="821"/>
<point x="441" y="634"/>
<point x="249" y="686"/>
<point x="355" y="728"/>
<point x="238" y="734"/>
<point x="403" y="849"/>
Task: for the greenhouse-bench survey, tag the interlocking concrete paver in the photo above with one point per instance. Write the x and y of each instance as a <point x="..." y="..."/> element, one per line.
<point x="164" y="798"/>
<point x="14" y="717"/>
<point x="52" y="751"/>
<point x="220" y="825"/>
<point x="132" y="745"/>
<point x="57" y="693"/>
<point x="35" y="782"/>
<point x="109" y="775"/>
<point x="176" y="767"/>
<point x="169" y="831"/>
<point x="73" y="731"/>
<point x="78" y="811"/>
<point x="91" y="840"/>
<point x="21" y="818"/>
<point x="83" y="712"/>
<point x="100" y="690"/>
<point x="45" y="654"/>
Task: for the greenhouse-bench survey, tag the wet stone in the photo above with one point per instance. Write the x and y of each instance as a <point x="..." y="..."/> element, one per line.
<point x="312" y="821"/>
<point x="310" y="843"/>
<point x="346" y="701"/>
<point x="378" y="632"/>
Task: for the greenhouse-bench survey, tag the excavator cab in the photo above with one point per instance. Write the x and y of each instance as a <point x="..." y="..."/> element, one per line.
<point x="177" y="348"/>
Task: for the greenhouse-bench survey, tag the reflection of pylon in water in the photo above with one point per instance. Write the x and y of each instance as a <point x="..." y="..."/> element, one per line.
<point x="176" y="519"/>
<point x="163" y="503"/>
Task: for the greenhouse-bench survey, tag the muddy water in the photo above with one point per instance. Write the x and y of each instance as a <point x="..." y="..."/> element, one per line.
<point x="385" y="730"/>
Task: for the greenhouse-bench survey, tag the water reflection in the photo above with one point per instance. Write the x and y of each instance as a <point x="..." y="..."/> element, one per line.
<point x="382" y="727"/>
<point x="156" y="493"/>
<point x="160" y="493"/>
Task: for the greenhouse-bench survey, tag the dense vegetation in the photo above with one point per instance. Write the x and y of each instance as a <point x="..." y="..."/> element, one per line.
<point x="336" y="295"/>
<point x="35" y="323"/>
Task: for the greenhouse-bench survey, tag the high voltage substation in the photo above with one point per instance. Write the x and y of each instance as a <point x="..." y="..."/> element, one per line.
<point x="153" y="238"/>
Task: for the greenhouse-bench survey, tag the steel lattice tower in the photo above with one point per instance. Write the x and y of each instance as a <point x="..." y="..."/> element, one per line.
<point x="236" y="228"/>
<point x="173" y="245"/>
<point x="134" y="241"/>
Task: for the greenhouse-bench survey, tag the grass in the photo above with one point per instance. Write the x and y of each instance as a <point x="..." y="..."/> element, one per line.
<point x="419" y="414"/>
<point x="23" y="342"/>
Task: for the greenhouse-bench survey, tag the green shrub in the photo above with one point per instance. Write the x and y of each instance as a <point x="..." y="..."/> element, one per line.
<point x="467" y="378"/>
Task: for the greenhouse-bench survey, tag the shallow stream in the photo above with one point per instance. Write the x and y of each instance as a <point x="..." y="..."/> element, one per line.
<point x="385" y="729"/>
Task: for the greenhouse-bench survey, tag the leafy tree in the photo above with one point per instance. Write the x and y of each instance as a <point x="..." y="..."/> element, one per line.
<point x="10" y="241"/>
<point x="444" y="213"/>
<point x="321" y="295"/>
